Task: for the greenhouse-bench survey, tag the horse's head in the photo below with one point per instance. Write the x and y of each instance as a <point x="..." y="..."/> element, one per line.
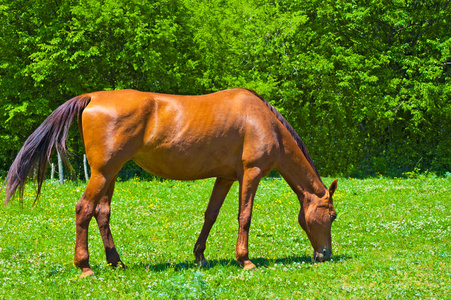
<point x="316" y="217"/>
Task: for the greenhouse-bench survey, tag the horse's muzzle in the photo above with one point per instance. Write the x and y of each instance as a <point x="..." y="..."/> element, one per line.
<point x="322" y="255"/>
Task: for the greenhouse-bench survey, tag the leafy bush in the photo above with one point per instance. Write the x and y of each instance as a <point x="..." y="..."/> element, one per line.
<point x="367" y="85"/>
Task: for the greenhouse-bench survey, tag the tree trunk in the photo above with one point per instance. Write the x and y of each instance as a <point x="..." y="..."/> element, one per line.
<point x="85" y="165"/>
<point x="60" y="168"/>
<point x="53" y="171"/>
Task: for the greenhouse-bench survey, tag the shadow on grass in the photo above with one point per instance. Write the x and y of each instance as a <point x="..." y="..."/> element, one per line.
<point x="260" y="262"/>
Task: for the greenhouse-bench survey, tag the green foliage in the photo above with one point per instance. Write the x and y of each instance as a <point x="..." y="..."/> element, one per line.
<point x="390" y="240"/>
<point x="366" y="84"/>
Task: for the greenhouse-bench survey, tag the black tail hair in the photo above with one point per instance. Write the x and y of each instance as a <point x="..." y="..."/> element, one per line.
<point x="36" y="151"/>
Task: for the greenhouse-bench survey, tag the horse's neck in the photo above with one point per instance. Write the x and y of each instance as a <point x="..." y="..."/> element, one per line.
<point x="297" y="171"/>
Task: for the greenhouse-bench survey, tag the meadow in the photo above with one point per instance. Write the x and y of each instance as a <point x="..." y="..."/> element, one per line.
<point x="392" y="239"/>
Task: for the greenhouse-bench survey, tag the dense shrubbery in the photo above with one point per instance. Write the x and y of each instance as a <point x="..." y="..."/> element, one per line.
<point x="366" y="85"/>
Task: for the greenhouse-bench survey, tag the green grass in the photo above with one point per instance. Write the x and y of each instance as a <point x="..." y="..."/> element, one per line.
<point x="392" y="239"/>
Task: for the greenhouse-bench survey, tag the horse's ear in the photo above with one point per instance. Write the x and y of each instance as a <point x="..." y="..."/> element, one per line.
<point x="333" y="187"/>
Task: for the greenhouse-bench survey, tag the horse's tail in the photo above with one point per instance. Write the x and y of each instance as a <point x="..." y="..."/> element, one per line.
<point x="35" y="153"/>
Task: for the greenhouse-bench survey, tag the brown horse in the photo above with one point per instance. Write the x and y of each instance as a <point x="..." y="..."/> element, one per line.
<point x="233" y="135"/>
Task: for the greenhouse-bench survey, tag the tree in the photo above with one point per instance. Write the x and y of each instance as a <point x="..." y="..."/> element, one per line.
<point x="366" y="84"/>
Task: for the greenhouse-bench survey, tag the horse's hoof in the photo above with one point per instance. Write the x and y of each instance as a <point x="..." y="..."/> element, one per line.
<point x="202" y="263"/>
<point x="248" y="265"/>
<point x="117" y="265"/>
<point x="86" y="273"/>
<point x="121" y="265"/>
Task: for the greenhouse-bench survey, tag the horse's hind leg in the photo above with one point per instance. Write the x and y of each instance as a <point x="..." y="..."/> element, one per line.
<point x="85" y="209"/>
<point x="102" y="214"/>
<point x="220" y="190"/>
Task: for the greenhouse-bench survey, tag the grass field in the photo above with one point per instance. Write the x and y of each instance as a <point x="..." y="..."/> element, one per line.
<point x="392" y="239"/>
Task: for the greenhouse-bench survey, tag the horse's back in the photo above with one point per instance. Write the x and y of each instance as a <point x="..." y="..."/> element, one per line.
<point x="181" y="137"/>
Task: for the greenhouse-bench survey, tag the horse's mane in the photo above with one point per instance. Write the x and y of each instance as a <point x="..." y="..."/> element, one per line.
<point x="291" y="130"/>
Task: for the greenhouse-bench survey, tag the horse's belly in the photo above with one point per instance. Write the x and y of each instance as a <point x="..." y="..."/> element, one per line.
<point x="189" y="163"/>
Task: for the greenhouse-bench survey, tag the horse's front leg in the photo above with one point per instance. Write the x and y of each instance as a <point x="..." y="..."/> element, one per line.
<point x="220" y="191"/>
<point x="84" y="210"/>
<point x="248" y="188"/>
<point x="102" y="214"/>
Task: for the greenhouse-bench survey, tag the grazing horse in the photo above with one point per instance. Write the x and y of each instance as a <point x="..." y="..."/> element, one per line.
<point x="233" y="135"/>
